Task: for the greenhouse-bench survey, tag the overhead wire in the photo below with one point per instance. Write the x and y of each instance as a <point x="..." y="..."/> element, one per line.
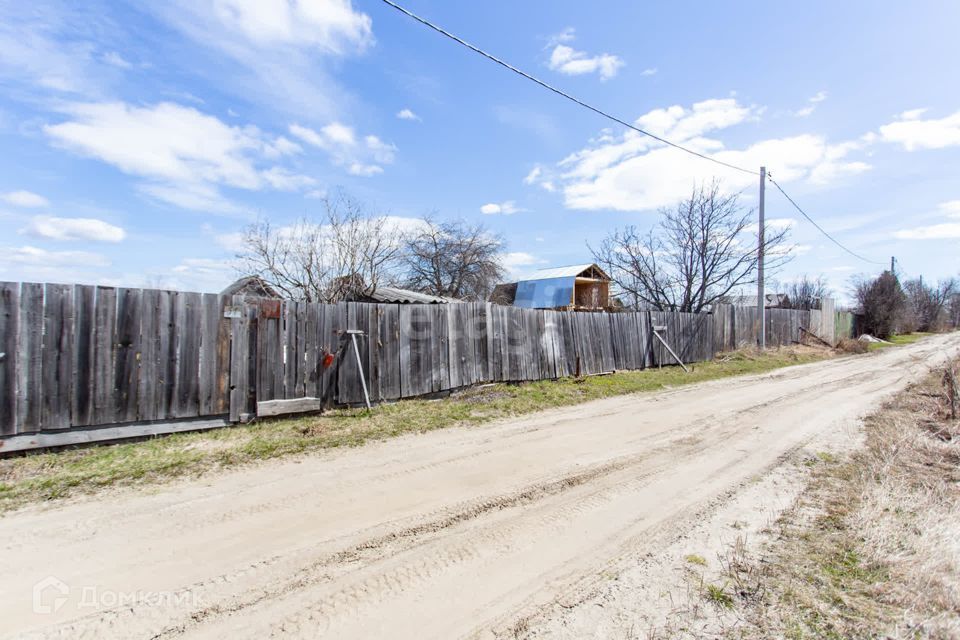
<point x="562" y="93"/>
<point x="819" y="228"/>
<point x="610" y="117"/>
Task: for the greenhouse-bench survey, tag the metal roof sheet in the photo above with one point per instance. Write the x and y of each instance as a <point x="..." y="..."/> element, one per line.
<point x="392" y="294"/>
<point x="544" y="294"/>
<point x="559" y="272"/>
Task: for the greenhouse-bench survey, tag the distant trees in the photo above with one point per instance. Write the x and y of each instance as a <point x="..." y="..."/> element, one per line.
<point x="452" y="259"/>
<point x="346" y="251"/>
<point x="882" y="303"/>
<point x="806" y="292"/>
<point x="697" y="253"/>
<point x="928" y="306"/>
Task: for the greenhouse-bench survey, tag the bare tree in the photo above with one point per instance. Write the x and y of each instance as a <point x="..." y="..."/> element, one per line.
<point x="453" y="259"/>
<point x="345" y="252"/>
<point x="928" y="305"/>
<point x="698" y="252"/>
<point x="806" y="292"/>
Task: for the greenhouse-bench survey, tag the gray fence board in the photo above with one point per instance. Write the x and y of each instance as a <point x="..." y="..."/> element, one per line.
<point x="9" y="316"/>
<point x="79" y="356"/>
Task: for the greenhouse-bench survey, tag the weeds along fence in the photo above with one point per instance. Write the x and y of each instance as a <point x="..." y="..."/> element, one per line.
<point x="75" y="358"/>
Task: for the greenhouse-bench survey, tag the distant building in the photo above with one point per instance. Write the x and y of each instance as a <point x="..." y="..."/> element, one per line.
<point x="773" y="301"/>
<point x="251" y="287"/>
<point x="581" y="287"/>
<point x="400" y="296"/>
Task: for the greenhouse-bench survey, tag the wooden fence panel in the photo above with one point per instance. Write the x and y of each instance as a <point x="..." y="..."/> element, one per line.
<point x="416" y="377"/>
<point x="479" y="334"/>
<point x="9" y="318"/>
<point x="349" y="390"/>
<point x="57" y="355"/>
<point x="30" y="357"/>
<point x="105" y="339"/>
<point x="388" y="346"/>
<point x="240" y="390"/>
<point x="76" y="356"/>
<point x="167" y="355"/>
<point x="127" y="367"/>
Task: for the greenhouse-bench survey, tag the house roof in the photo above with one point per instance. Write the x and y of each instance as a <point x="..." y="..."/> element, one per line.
<point x="253" y="286"/>
<point x="571" y="271"/>
<point x="405" y="296"/>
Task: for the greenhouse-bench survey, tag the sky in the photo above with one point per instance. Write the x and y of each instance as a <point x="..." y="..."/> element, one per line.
<point x="139" y="139"/>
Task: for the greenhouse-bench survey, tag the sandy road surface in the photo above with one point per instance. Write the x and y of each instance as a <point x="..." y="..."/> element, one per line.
<point x="449" y="534"/>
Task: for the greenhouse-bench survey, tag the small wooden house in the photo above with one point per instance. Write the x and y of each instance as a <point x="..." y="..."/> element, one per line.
<point x="251" y="287"/>
<point x="581" y="287"/>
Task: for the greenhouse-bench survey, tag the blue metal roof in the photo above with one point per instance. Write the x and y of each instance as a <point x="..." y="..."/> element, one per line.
<point x="545" y="294"/>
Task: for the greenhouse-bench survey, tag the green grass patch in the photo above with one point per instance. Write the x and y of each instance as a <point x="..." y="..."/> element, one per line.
<point x="694" y="558"/>
<point x="718" y="596"/>
<point x="898" y="340"/>
<point x="58" y="474"/>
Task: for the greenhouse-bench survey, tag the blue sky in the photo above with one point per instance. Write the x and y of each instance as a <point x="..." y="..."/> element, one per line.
<point x="138" y="139"/>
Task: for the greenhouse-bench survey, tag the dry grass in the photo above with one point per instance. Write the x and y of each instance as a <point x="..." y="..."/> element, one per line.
<point x="63" y="473"/>
<point x="872" y="548"/>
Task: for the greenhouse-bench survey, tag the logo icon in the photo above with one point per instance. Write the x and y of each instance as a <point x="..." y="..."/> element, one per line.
<point x="49" y="595"/>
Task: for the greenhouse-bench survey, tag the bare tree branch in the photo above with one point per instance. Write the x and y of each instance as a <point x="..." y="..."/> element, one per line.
<point x="346" y="252"/>
<point x="453" y="259"/>
<point x="699" y="252"/>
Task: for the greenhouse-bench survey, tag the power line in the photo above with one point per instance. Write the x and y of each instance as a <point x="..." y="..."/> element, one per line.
<point x="819" y="228"/>
<point x="560" y="92"/>
<point x="606" y="115"/>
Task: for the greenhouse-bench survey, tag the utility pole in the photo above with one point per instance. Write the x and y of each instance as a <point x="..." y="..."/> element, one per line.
<point x="893" y="261"/>
<point x="761" y="298"/>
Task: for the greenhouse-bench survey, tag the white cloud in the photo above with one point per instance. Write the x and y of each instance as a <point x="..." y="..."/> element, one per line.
<point x="75" y="229"/>
<point x="36" y="257"/>
<point x="811" y="105"/>
<point x="940" y="231"/>
<point x="114" y="59"/>
<point x="650" y="71"/>
<point x="516" y="262"/>
<point x="567" y="60"/>
<point x="506" y="208"/>
<point x="184" y="154"/>
<point x="24" y="199"/>
<point x="407" y="114"/>
<point x="537" y="177"/>
<point x="202" y="274"/>
<point x="35" y="50"/>
<point x="281" y="47"/>
<point x="360" y="157"/>
<point x="571" y="62"/>
<point x="943" y="231"/>
<point x="567" y="35"/>
<point x="329" y="25"/>
<point x="364" y="170"/>
<point x="285" y="180"/>
<point x="951" y="208"/>
<point x="913" y="133"/>
<point x="632" y="172"/>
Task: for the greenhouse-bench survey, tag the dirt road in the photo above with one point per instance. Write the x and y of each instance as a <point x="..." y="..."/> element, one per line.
<point x="455" y="533"/>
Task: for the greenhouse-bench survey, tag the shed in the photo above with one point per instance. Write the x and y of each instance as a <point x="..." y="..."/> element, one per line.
<point x="580" y="287"/>
<point x="251" y="286"/>
<point x="400" y="296"/>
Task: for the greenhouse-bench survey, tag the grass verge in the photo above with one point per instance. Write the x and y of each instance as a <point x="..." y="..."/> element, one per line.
<point x="871" y="547"/>
<point x="58" y="474"/>
<point x="892" y="341"/>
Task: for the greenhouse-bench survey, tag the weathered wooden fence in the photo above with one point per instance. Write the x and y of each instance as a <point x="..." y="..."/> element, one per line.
<point x="74" y="357"/>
